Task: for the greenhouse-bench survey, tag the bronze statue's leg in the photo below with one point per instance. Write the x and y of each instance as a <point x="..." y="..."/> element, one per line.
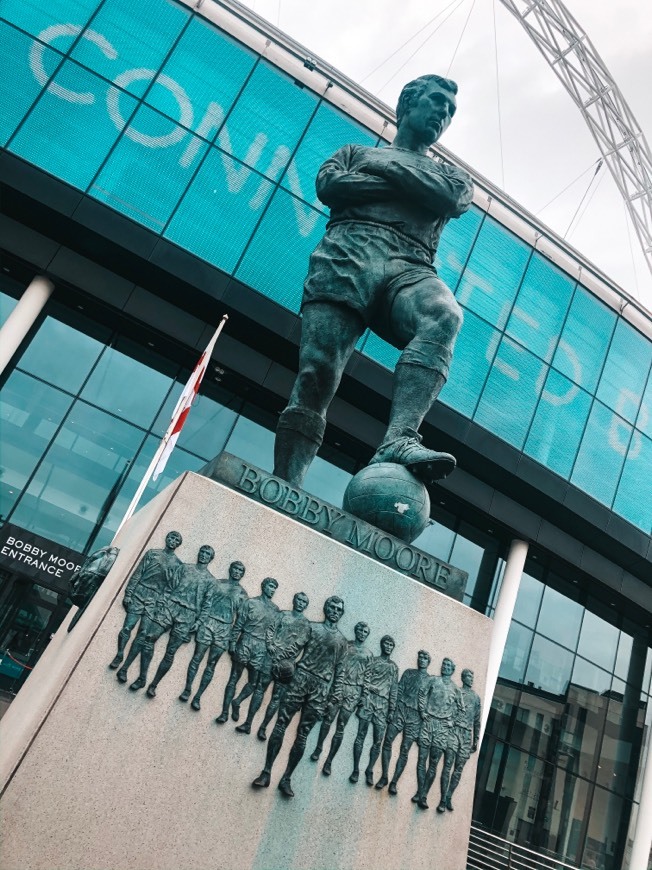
<point x="328" y="336"/>
<point x="401" y="761"/>
<point x="386" y="755"/>
<point x="229" y="692"/>
<point x="123" y="638"/>
<point x="342" y="718"/>
<point x="277" y="696"/>
<point x="165" y="664"/>
<point x="262" y="682"/>
<point x="309" y="718"/>
<point x="374" y="752"/>
<point x="455" y="780"/>
<point x="363" y="727"/>
<point x="193" y="667"/>
<point x="449" y="758"/>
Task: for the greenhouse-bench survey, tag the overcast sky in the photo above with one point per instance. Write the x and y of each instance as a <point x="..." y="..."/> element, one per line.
<point x="546" y="144"/>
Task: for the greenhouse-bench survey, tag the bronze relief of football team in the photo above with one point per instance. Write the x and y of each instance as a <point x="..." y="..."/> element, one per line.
<point x="313" y="670"/>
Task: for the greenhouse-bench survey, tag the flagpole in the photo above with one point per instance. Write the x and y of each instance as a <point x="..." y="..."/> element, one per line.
<point x="166" y="438"/>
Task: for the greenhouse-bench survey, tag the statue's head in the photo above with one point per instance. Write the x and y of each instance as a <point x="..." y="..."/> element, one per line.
<point x="236" y="570"/>
<point x="269" y="586"/>
<point x="206" y="554"/>
<point x="467" y="677"/>
<point x="447" y="667"/>
<point x="423" y="659"/>
<point x="428" y="105"/>
<point x="300" y="601"/>
<point x="173" y="540"/>
<point x="361" y="631"/>
<point x="334" y="608"/>
<point x="387" y="644"/>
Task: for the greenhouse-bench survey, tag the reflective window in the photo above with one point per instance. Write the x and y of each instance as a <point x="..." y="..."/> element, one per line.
<point x="599" y="636"/>
<point x="517" y="650"/>
<point x="146" y="173"/>
<point x="549" y="667"/>
<point x="62" y="354"/>
<point x="129" y="387"/>
<point x="329" y="130"/>
<point x="467" y="554"/>
<point x="326" y="481"/>
<point x="56" y="122"/>
<point x="492" y="277"/>
<point x="438" y="538"/>
<point x="584" y="340"/>
<point x="253" y="443"/>
<point x="455" y="244"/>
<point x="208" y="426"/>
<point x="563" y="407"/>
<point x="528" y="600"/>
<point x="70" y="488"/>
<point x="630" y="501"/>
<point x="621" y="745"/>
<point x="504" y="704"/>
<point x="7" y="305"/>
<point x="210" y="68"/>
<point x="380" y="350"/>
<point x="30" y="412"/>
<point x="474" y="353"/>
<point x="603" y="837"/>
<point x="560" y="618"/>
<point x="139" y="34"/>
<point x="220" y="210"/>
<point x="540" y="307"/>
<point x="583" y="721"/>
<point x="276" y="260"/>
<point x="267" y="121"/>
<point x="17" y="89"/>
<point x="644" y="419"/>
<point x="603" y="430"/>
<point x="510" y="394"/>
<point x="178" y="462"/>
<point x="625" y="371"/>
<point x="34" y="16"/>
<point x="537" y="722"/>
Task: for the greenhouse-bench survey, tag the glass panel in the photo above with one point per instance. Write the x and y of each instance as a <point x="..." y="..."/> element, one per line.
<point x="510" y="395"/>
<point x="517" y="649"/>
<point x="140" y="401"/>
<point x="584" y="340"/>
<point x="140" y="34"/>
<point x="72" y="111"/>
<point x="145" y="177"/>
<point x="178" y="462"/>
<point x="491" y="279"/>
<point x="563" y="407"/>
<point x="253" y="443"/>
<point x="467" y="555"/>
<point x="215" y="219"/>
<point x="623" y="736"/>
<point x="560" y="618"/>
<point x="326" y="481"/>
<point x="644" y="420"/>
<point x="536" y="723"/>
<point x="540" y="307"/>
<point x="211" y="68"/>
<point x="380" y="351"/>
<point x="61" y="354"/>
<point x="528" y="600"/>
<point x="583" y="720"/>
<point x="438" y="538"/>
<point x="504" y="704"/>
<point x="7" y="304"/>
<point x="549" y="667"/>
<point x="638" y="468"/>
<point x="625" y="372"/>
<point x="276" y="261"/>
<point x="76" y="476"/>
<point x="329" y="130"/>
<point x="209" y="423"/>
<point x="474" y="353"/>
<point x="455" y="244"/>
<point x="604" y="445"/>
<point x="30" y="412"/>
<point x="599" y="637"/>
<point x="605" y="834"/>
<point x="267" y="121"/>
<point x="18" y="89"/>
<point x="34" y="15"/>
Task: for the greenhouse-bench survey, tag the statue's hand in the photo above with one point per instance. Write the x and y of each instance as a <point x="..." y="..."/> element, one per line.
<point x="126" y="602"/>
<point x="475" y="746"/>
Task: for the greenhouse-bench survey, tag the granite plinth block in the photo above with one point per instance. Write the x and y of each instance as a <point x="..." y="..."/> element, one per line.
<point x="97" y="777"/>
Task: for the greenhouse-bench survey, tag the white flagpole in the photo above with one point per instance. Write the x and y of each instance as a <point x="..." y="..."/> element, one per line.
<point x="160" y="449"/>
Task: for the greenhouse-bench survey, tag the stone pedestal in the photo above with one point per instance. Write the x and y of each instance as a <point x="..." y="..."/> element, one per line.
<point x="97" y="777"/>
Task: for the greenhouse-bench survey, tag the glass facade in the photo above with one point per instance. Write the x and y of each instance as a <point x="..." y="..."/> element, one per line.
<point x="193" y="135"/>
<point x="570" y="716"/>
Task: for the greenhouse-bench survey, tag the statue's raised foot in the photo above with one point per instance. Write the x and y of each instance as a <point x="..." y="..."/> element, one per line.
<point x="428" y="465"/>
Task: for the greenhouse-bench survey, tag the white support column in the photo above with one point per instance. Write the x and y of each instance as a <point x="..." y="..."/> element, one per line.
<point x="502" y="620"/>
<point x="22" y="318"/>
<point x="642" y="843"/>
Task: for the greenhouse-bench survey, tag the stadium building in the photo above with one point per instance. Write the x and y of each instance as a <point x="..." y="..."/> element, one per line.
<point x="157" y="170"/>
